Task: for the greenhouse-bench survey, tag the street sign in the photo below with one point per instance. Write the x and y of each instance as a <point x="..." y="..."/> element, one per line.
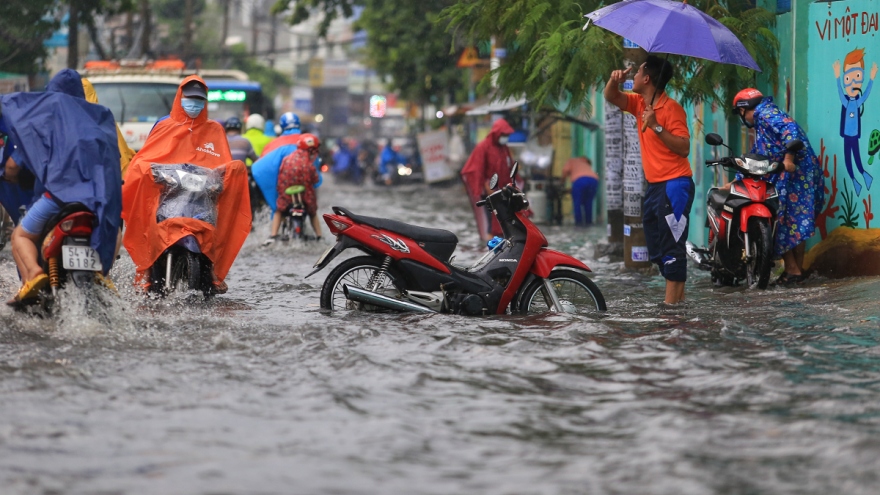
<point x="469" y="58"/>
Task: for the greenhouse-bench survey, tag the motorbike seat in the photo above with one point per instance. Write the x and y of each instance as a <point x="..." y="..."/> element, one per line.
<point x="437" y="242"/>
<point x="717" y="197"/>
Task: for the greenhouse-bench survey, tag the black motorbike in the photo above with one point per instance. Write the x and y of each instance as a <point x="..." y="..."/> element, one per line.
<point x="188" y="191"/>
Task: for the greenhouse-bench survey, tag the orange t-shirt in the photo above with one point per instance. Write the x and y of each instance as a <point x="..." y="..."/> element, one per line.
<point x="661" y="163"/>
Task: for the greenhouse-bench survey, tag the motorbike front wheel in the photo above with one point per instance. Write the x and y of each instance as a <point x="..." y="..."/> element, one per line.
<point x="761" y="247"/>
<point x="576" y="292"/>
<point x="357" y="272"/>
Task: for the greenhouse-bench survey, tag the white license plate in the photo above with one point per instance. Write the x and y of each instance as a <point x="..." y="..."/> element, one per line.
<point x="80" y="258"/>
<point x="321" y="259"/>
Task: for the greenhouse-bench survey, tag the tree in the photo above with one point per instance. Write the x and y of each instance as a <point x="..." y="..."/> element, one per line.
<point x="84" y="12"/>
<point x="24" y="26"/>
<point x="300" y="10"/>
<point x="407" y="42"/>
<point x="553" y="61"/>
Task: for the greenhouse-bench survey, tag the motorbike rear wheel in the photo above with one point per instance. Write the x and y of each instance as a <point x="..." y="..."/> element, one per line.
<point x="576" y="292"/>
<point x="357" y="272"/>
<point x="761" y="245"/>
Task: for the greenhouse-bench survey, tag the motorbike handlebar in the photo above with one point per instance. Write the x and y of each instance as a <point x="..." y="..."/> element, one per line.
<point x="481" y="202"/>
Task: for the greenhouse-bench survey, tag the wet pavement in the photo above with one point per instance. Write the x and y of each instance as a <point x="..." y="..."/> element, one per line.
<point x="260" y="392"/>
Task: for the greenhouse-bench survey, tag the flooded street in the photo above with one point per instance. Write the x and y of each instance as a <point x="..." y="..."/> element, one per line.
<point x="259" y="392"/>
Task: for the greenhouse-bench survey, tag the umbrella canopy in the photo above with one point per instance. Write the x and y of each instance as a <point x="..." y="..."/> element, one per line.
<point x="664" y="26"/>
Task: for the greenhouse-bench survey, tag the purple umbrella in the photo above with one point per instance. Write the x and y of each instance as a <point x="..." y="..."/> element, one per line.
<point x="664" y="26"/>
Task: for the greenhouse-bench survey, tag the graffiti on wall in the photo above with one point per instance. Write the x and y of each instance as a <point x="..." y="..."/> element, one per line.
<point x="844" y="49"/>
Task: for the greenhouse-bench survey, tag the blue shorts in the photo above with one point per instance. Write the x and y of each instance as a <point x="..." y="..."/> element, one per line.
<point x="665" y="212"/>
<point x="39" y="214"/>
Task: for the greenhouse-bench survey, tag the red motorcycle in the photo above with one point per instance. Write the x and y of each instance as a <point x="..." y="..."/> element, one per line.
<point x="408" y="268"/>
<point x="66" y="255"/>
<point x="741" y="221"/>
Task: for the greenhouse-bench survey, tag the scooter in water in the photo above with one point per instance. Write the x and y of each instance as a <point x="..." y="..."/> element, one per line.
<point x="188" y="191"/>
<point x="293" y="219"/>
<point x="67" y="257"/>
<point x="741" y="221"/>
<point x="408" y="268"/>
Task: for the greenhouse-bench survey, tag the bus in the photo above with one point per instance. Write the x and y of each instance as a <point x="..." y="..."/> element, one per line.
<point x="140" y="93"/>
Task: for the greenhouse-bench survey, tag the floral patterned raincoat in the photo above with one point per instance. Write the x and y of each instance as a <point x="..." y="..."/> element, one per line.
<point x="801" y="193"/>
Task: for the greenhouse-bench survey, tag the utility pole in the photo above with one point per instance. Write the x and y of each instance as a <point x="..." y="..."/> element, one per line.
<point x="73" y="35"/>
<point x="187" y="30"/>
<point x="253" y="27"/>
<point x="147" y="28"/>
<point x="273" y="31"/>
<point x="225" y="33"/>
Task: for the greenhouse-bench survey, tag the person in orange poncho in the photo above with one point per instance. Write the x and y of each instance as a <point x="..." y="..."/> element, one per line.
<point x="186" y="136"/>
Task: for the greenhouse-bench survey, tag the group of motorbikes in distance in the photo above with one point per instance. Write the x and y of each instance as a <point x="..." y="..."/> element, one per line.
<point x="410" y="268"/>
<point x="383" y="161"/>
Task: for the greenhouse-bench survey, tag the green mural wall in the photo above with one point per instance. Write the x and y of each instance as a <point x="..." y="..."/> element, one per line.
<point x="842" y="118"/>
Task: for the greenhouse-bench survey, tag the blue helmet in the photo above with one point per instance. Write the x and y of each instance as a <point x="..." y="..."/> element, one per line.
<point x="289" y="121"/>
<point x="233" y="123"/>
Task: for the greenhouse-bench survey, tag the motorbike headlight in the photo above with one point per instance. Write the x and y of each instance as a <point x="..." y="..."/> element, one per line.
<point x="758" y="167"/>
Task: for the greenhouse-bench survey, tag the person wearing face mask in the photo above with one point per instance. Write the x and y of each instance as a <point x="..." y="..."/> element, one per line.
<point x="186" y="136"/>
<point x="801" y="185"/>
<point x="490" y="156"/>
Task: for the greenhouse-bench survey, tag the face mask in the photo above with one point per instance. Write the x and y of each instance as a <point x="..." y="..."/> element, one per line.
<point x="192" y="106"/>
<point x="503" y="139"/>
<point x="745" y="122"/>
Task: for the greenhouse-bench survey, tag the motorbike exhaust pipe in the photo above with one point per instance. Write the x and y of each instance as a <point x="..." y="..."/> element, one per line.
<point x="367" y="297"/>
<point x="700" y="256"/>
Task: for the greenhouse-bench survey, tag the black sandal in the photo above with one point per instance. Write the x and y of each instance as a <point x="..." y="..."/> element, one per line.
<point x="788" y="279"/>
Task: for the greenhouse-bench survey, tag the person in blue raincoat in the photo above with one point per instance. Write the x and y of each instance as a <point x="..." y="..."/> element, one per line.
<point x="12" y="196"/>
<point x="388" y="161"/>
<point x="70" y="147"/>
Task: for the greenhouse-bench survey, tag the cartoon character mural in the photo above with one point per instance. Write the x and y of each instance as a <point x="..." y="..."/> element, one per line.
<point x="852" y="101"/>
<point x="842" y="36"/>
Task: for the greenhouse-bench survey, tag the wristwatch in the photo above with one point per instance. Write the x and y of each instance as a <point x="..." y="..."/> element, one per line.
<point x="658" y="129"/>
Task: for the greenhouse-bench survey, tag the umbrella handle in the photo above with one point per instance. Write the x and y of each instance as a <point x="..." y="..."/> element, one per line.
<point x="644" y="126"/>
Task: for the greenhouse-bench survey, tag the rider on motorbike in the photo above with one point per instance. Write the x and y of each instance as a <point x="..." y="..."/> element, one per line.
<point x="70" y="147"/>
<point x="253" y="132"/>
<point x="265" y="170"/>
<point x="297" y="168"/>
<point x="241" y="147"/>
<point x="188" y="137"/>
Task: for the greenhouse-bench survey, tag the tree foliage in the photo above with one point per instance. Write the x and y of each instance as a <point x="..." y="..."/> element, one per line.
<point x="24" y="26"/>
<point x="549" y="57"/>
<point x="552" y="60"/>
<point x="407" y="43"/>
<point x="300" y="10"/>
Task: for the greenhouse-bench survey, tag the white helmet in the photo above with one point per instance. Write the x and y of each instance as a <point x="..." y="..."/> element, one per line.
<point x="255" y="121"/>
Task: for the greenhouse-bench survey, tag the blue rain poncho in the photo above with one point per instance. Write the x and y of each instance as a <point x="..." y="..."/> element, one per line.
<point x="70" y="146"/>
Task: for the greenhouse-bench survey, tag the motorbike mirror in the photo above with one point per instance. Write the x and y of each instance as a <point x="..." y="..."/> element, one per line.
<point x="493" y="181"/>
<point x="795" y="145"/>
<point x="713" y="139"/>
<point x="513" y="169"/>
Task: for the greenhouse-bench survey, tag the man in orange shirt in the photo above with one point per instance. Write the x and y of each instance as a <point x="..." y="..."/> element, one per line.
<point x="665" y="144"/>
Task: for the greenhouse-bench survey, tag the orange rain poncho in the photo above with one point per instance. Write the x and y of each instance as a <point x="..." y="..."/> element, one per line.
<point x="201" y="142"/>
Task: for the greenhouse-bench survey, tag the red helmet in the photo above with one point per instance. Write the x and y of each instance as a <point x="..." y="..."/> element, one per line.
<point x="747" y="98"/>
<point x="309" y="142"/>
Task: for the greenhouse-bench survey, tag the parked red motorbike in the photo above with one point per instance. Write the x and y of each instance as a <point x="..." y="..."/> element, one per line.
<point x="741" y="221"/>
<point x="408" y="268"/>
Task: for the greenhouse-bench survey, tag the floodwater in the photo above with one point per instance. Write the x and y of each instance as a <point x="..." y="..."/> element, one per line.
<point x="259" y="392"/>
